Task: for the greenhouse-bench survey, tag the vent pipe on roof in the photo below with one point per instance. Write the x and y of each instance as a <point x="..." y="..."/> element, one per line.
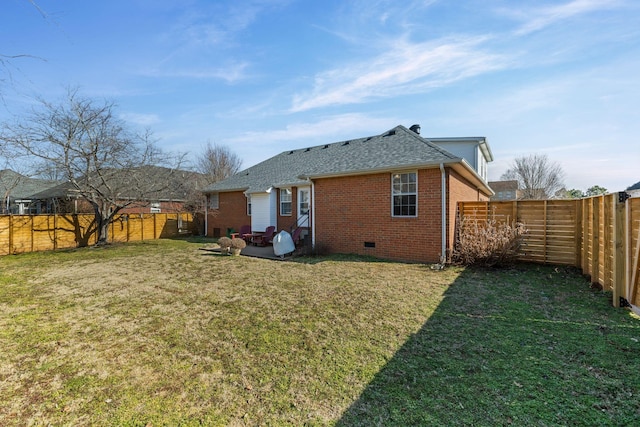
<point x="415" y="128"/>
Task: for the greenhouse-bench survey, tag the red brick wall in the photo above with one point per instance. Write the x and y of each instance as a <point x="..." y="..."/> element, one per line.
<point x="353" y="210"/>
<point x="287" y="222"/>
<point x="458" y="189"/>
<point x="232" y="213"/>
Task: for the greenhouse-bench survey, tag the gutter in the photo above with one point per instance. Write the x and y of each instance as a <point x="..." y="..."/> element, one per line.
<point x="443" y="203"/>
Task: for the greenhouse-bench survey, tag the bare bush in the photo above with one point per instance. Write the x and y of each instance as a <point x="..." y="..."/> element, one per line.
<point x="224" y="242"/>
<point x="237" y="243"/>
<point x="488" y="243"/>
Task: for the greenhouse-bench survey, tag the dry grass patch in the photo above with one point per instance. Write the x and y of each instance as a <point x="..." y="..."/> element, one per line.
<point x="163" y="333"/>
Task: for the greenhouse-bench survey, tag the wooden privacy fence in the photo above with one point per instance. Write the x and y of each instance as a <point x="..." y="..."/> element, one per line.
<point x="30" y="233"/>
<point x="600" y="235"/>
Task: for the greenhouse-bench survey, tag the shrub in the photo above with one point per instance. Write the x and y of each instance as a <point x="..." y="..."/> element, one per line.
<point x="238" y="243"/>
<point x="224" y="242"/>
<point x="488" y="243"/>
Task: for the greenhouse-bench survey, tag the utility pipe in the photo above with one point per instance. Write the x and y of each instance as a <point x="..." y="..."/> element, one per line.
<point x="206" y="215"/>
<point x="313" y="214"/>
<point x="443" y="256"/>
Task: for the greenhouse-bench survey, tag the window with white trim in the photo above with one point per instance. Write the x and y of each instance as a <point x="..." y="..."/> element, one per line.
<point x="404" y="194"/>
<point x="249" y="204"/>
<point x="214" y="201"/>
<point x="285" y="201"/>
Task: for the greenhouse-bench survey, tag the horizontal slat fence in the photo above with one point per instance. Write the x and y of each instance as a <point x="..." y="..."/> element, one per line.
<point x="30" y="233"/>
<point x="600" y="235"/>
<point x="551" y="226"/>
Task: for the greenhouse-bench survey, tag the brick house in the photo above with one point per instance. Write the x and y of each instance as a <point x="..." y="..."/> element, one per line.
<point x="17" y="191"/>
<point x="391" y="195"/>
<point x="149" y="189"/>
<point x="504" y="190"/>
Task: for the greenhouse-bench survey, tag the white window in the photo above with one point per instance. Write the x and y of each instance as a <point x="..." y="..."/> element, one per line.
<point x="214" y="202"/>
<point x="249" y="204"/>
<point x="404" y="192"/>
<point x="285" y="201"/>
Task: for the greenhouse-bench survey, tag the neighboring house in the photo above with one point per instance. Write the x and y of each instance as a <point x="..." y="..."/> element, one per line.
<point x="391" y="195"/>
<point x="17" y="189"/>
<point x="634" y="190"/>
<point x="504" y="190"/>
<point x="156" y="190"/>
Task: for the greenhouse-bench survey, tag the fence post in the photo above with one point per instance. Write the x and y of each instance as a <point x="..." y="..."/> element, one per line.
<point x="586" y="241"/>
<point x="544" y="230"/>
<point x="10" y="234"/>
<point x="55" y="231"/>
<point x="578" y="234"/>
<point x="619" y="249"/>
<point x="32" y="233"/>
<point x="595" y="239"/>
<point x="608" y="205"/>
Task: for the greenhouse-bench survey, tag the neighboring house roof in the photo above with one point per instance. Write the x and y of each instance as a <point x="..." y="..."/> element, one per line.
<point x="635" y="186"/>
<point x="398" y="148"/>
<point x="162" y="184"/>
<point x="17" y="186"/>
<point x="498" y="186"/>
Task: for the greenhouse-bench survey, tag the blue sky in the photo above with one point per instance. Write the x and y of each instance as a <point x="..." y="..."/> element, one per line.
<point x="560" y="78"/>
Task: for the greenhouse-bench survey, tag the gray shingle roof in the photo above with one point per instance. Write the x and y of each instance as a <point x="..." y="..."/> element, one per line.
<point x="395" y="149"/>
<point x="17" y="186"/>
<point x="152" y="182"/>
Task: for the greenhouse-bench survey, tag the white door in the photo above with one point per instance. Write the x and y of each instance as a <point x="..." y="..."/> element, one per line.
<point x="304" y="204"/>
<point x="263" y="211"/>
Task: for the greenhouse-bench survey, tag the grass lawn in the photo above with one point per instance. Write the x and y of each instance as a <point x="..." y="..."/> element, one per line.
<point x="162" y="333"/>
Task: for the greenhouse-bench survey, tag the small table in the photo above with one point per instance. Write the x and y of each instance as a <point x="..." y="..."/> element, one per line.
<point x="256" y="238"/>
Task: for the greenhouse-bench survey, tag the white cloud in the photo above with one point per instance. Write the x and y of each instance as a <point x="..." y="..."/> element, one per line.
<point x="231" y="73"/>
<point x="543" y="17"/>
<point x="256" y="146"/>
<point x="302" y="132"/>
<point x="405" y="68"/>
<point x="141" y="119"/>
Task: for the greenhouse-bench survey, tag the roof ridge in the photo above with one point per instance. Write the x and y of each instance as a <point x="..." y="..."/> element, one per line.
<point x="427" y="142"/>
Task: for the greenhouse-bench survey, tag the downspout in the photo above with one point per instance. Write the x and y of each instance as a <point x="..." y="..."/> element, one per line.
<point x="313" y="214"/>
<point x="206" y="215"/>
<point x="443" y="203"/>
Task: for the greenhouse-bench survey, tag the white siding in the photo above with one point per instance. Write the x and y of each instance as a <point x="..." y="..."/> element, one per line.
<point x="482" y="163"/>
<point x="470" y="151"/>
<point x="263" y="211"/>
<point x="466" y="150"/>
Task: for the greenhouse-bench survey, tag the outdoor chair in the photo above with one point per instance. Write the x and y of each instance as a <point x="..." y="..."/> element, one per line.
<point x="265" y="238"/>
<point x="245" y="233"/>
<point x="296" y="236"/>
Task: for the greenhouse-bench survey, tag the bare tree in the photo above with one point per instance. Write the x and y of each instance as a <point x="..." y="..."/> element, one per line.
<point x="217" y="162"/>
<point x="103" y="162"/>
<point x="537" y="176"/>
<point x="7" y="62"/>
